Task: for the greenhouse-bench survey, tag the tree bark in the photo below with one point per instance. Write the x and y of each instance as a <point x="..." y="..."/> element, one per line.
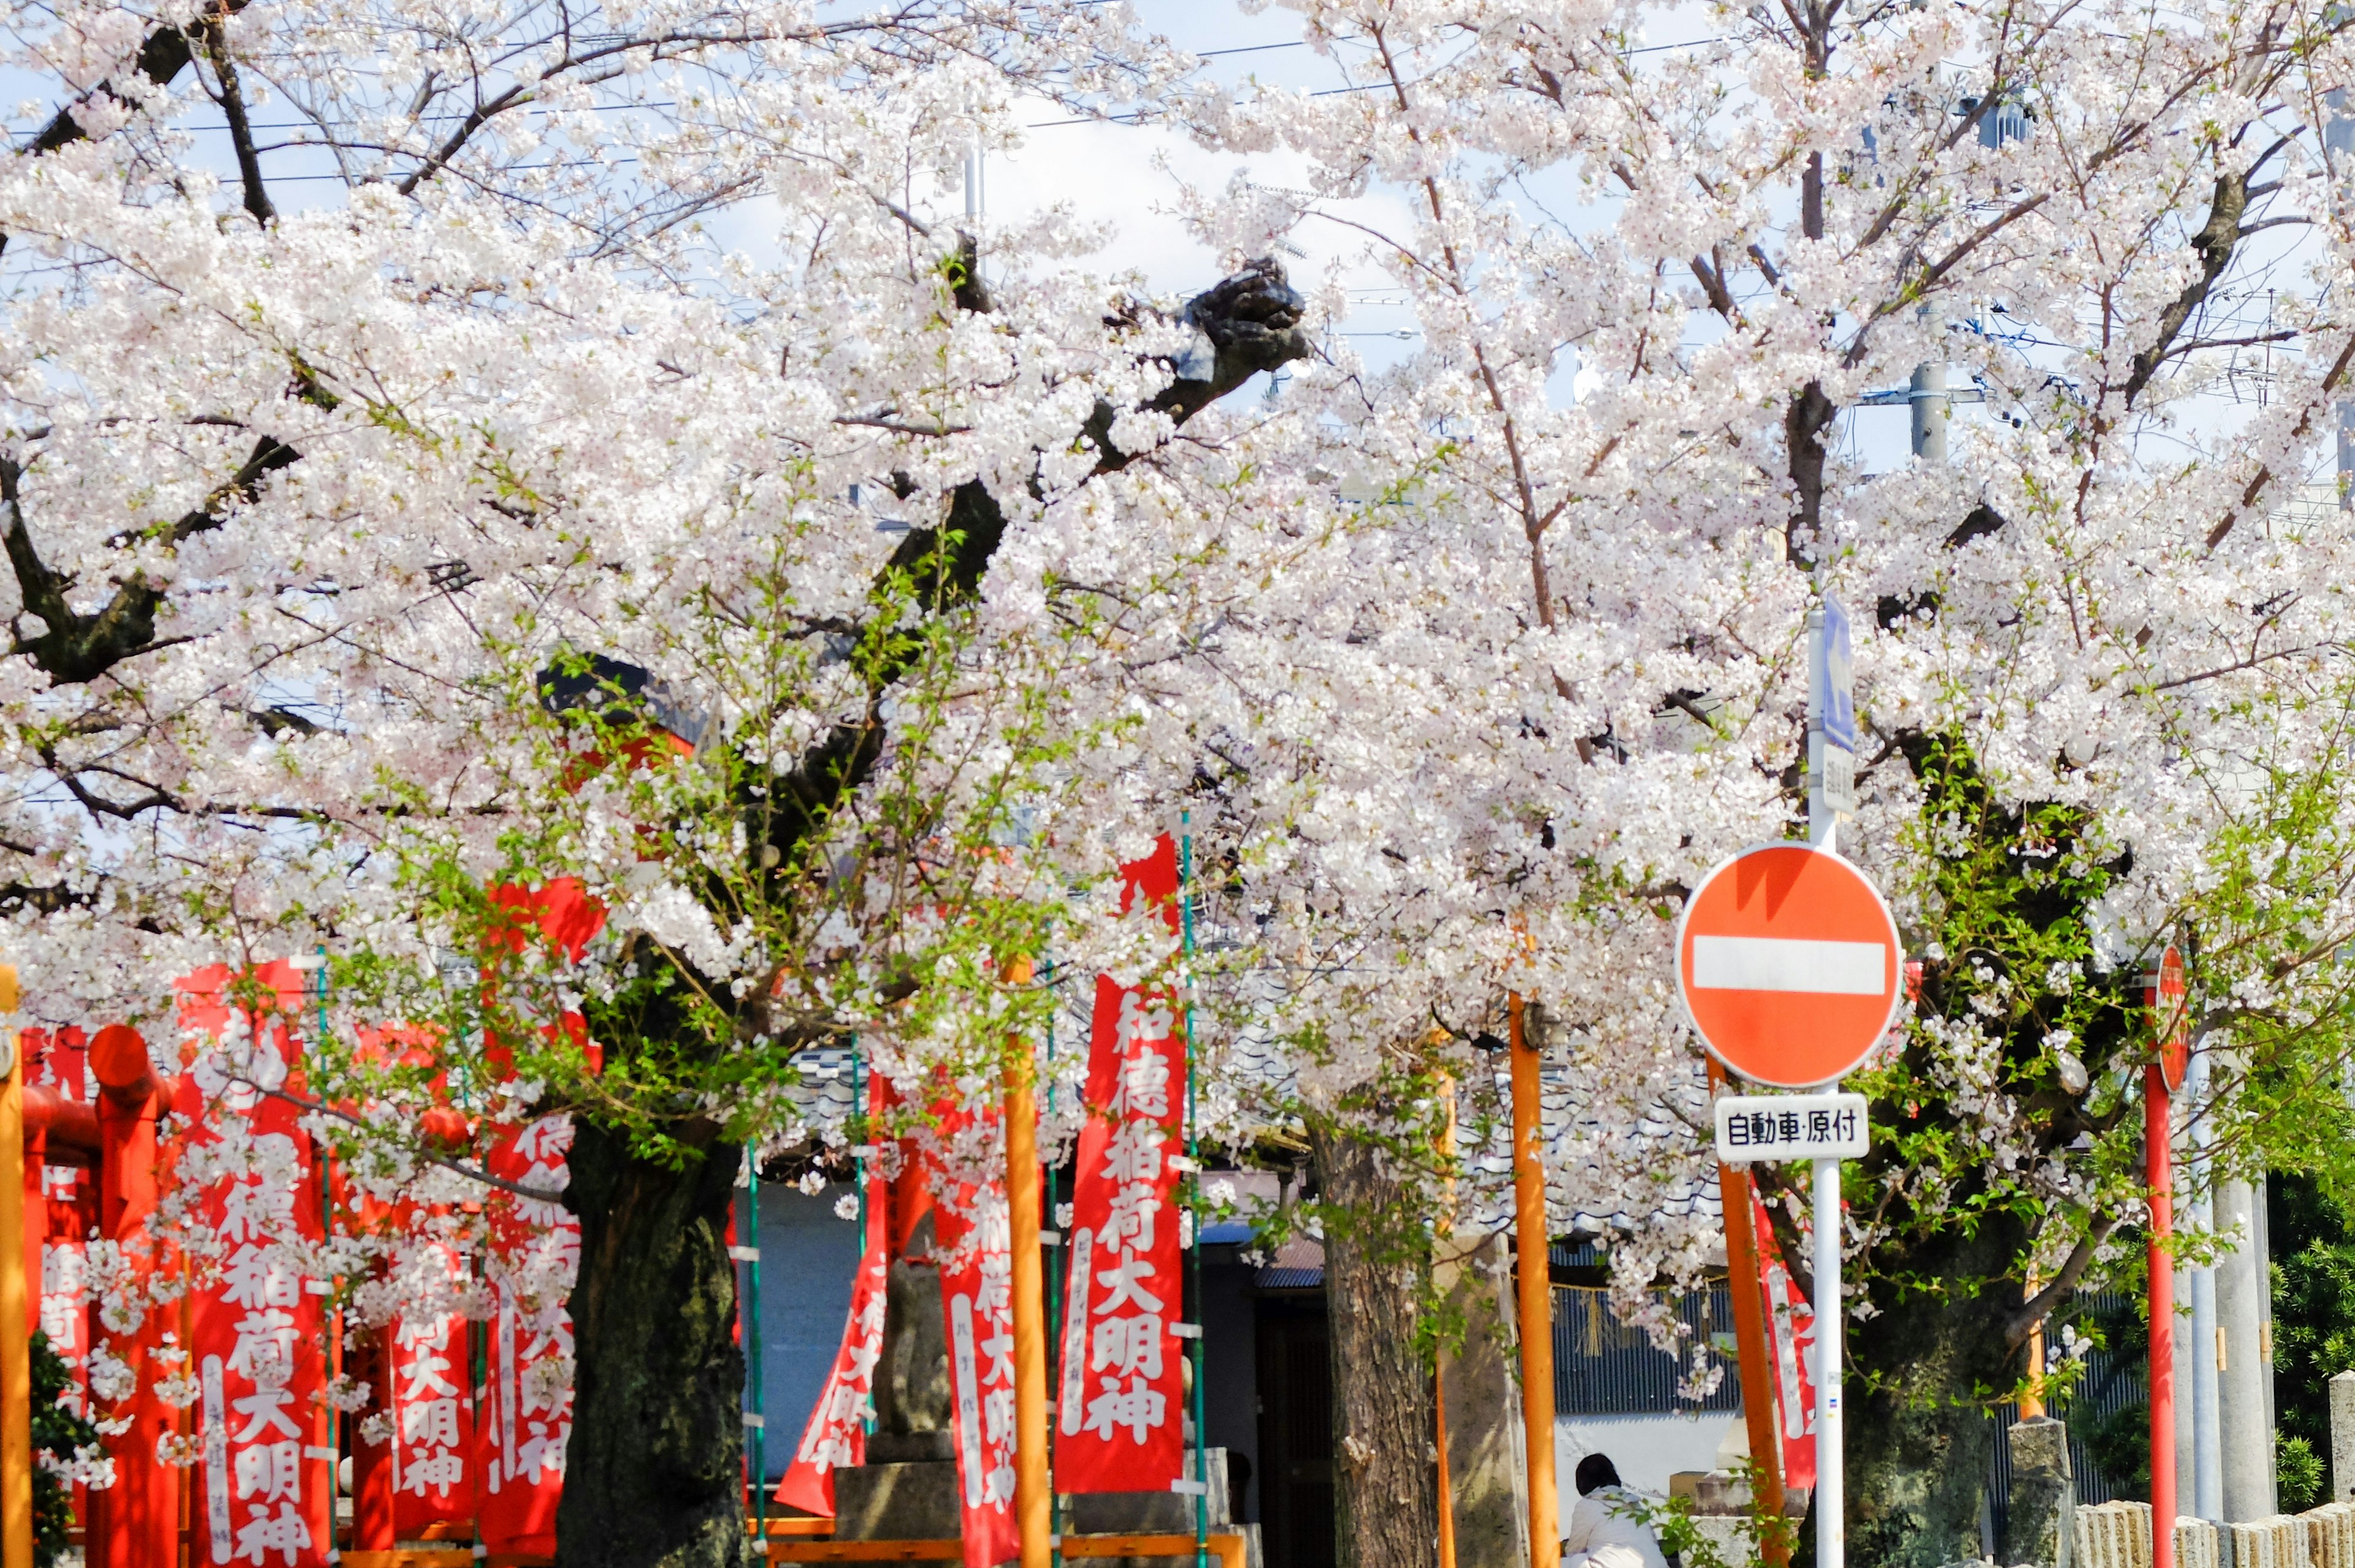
<point x="654" y="1475"/>
<point x="1377" y="1260"/>
<point x="1919" y="1433"/>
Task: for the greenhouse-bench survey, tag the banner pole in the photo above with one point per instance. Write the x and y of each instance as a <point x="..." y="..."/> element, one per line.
<point x="1194" y="1157"/>
<point x="16" y="1305"/>
<point x="1533" y="1256"/>
<point x="1033" y="1499"/>
<point x="1744" y="1279"/>
<point x="752" y="1356"/>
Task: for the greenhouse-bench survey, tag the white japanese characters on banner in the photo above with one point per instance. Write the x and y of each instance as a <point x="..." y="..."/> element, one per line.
<point x="977" y="1296"/>
<point x="69" y="1197"/>
<point x="1120" y="1396"/>
<point x="526" y="1399"/>
<point x="258" y="1338"/>
<point x="432" y="1416"/>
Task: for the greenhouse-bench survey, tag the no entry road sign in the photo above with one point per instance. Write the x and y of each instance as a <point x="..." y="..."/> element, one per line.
<point x="1789" y="964"/>
<point x="2163" y="992"/>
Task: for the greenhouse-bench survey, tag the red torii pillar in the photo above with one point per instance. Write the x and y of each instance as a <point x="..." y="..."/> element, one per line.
<point x="135" y="1523"/>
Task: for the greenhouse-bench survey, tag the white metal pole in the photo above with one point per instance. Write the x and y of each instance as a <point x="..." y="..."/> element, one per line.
<point x="1830" y="1510"/>
<point x="1823" y="831"/>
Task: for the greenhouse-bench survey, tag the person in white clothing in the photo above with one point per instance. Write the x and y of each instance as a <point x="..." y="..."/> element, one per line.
<point x="1607" y="1529"/>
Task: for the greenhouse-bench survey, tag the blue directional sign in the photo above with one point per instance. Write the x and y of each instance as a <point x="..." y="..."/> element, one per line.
<point x="1836" y="679"/>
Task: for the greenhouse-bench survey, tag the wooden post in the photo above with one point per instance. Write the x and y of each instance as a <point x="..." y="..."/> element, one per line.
<point x="1758" y="1391"/>
<point x="1033" y="1490"/>
<point x="1438" y="1373"/>
<point x="1536" y="1284"/>
<point x="15" y="1307"/>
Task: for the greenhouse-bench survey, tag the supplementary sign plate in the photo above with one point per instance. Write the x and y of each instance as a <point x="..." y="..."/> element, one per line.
<point x="1789" y="1126"/>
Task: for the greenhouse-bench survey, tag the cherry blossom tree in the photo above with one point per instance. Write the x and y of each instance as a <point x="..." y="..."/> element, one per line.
<point x="1466" y="668"/>
<point x="592" y="472"/>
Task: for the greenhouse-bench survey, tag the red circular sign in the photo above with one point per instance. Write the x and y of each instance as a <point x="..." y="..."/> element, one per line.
<point x="2163" y="993"/>
<point x="1789" y="964"/>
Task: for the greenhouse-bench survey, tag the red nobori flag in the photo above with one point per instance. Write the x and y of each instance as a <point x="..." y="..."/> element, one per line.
<point x="527" y="1406"/>
<point x="976" y="1265"/>
<point x="1790" y="1348"/>
<point x="1120" y="1404"/>
<point x="837" y="1433"/>
<point x="433" y="1418"/>
<point x="259" y="1335"/>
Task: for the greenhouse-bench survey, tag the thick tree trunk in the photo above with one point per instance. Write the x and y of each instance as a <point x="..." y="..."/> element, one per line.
<point x="1377" y="1259"/>
<point x="654" y="1474"/>
<point x="1919" y="1433"/>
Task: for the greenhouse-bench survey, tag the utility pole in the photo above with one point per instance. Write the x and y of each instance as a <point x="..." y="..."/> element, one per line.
<point x="1932" y="408"/>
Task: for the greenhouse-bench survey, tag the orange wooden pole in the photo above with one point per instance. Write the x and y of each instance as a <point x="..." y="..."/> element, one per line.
<point x="1033" y="1490"/>
<point x="1746" y="1287"/>
<point x="1438" y="1378"/>
<point x="15" y="1307"/>
<point x="1533" y="1256"/>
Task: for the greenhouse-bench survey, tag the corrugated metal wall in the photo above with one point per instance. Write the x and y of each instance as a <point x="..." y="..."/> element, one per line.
<point x="1603" y="1367"/>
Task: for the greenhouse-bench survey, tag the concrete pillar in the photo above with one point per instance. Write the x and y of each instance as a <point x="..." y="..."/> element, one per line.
<point x="2207" y="1470"/>
<point x="2243" y="1425"/>
<point x="2199" y="1479"/>
<point x="2342" y="1437"/>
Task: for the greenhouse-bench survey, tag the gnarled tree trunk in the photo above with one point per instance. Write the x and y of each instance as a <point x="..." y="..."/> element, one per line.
<point x="1919" y="1434"/>
<point x="653" y="1477"/>
<point x="1376" y="1261"/>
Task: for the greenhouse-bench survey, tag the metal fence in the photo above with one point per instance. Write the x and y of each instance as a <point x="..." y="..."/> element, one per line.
<point x="1605" y="1367"/>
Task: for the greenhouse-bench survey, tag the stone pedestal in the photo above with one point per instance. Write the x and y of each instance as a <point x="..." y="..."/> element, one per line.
<point x="914" y="1502"/>
<point x="2342" y="1437"/>
<point x="1479" y="1383"/>
<point x="2040" y="1520"/>
<point x="1156" y="1513"/>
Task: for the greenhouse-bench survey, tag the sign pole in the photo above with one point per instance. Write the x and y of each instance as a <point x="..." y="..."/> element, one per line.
<point x="1831" y="1535"/>
<point x="2165" y="994"/>
<point x="2162" y="1319"/>
<point x="1831" y="794"/>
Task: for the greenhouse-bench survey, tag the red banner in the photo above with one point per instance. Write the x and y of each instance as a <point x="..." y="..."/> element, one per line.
<point x="257" y="1335"/>
<point x="835" y="1435"/>
<point x="1121" y="1400"/>
<point x="433" y="1416"/>
<point x="527" y="1405"/>
<point x="977" y="1296"/>
<point x="1791" y="1342"/>
<point x="70" y="1196"/>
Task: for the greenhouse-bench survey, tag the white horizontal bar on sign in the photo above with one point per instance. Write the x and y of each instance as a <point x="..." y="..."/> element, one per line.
<point x="1189" y="1488"/>
<point x="1790" y="964"/>
<point x="313" y="1451"/>
<point x="1181" y="1165"/>
<point x="1185" y="1330"/>
<point x="745" y="1254"/>
<point x="1753" y="1127"/>
<point x="754" y="1421"/>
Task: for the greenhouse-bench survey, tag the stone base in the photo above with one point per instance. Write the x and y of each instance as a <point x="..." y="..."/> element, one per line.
<point x="1157" y="1514"/>
<point x="918" y="1501"/>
